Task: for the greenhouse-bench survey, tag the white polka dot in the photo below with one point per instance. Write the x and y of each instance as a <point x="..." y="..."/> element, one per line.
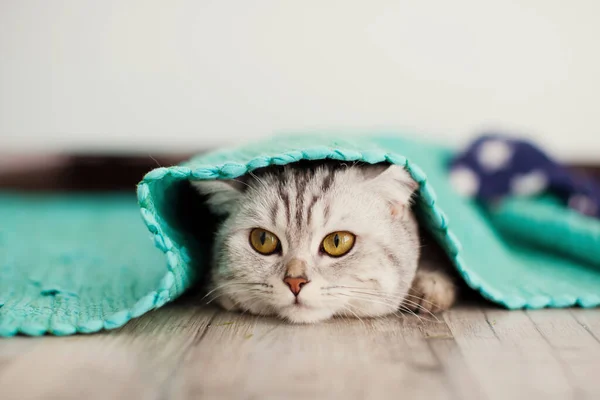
<point x="583" y="204"/>
<point x="528" y="184"/>
<point x="494" y="155"/>
<point x="465" y="181"/>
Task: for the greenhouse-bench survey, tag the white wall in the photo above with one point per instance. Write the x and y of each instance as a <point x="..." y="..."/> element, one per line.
<point x="189" y="74"/>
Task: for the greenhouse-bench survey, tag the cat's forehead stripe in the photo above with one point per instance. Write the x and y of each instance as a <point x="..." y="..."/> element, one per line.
<point x="328" y="180"/>
<point x="297" y="192"/>
<point x="302" y="178"/>
<point x="310" y="208"/>
<point x="285" y="199"/>
<point x="274" y="212"/>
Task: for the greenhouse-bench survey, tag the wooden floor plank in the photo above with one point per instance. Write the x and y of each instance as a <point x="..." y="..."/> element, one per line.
<point x="488" y="345"/>
<point x="589" y="320"/>
<point x="72" y="368"/>
<point x="135" y="362"/>
<point x="351" y="359"/>
<point x="536" y="359"/>
<point x="186" y="351"/>
<point x="441" y="341"/>
<point x="576" y="348"/>
<point x="167" y="336"/>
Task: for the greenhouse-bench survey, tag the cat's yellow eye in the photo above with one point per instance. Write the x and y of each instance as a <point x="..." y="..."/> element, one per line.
<point x="337" y="244"/>
<point x="264" y="241"/>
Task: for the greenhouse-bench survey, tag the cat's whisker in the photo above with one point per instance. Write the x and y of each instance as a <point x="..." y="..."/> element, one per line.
<point x="380" y="295"/>
<point x="248" y="302"/>
<point x="396" y="313"/>
<point x="371" y="300"/>
<point x="255" y="290"/>
<point x="421" y="318"/>
<point x="419" y="307"/>
<point x="399" y="308"/>
<point x="347" y="306"/>
<point x="385" y="298"/>
<point x="383" y="301"/>
<point x="247" y="307"/>
<point x="356" y="288"/>
<point x="422" y="299"/>
<point x="231" y="284"/>
<point x="393" y="305"/>
<point x="376" y="292"/>
<point x="408" y="310"/>
<point x="217" y="288"/>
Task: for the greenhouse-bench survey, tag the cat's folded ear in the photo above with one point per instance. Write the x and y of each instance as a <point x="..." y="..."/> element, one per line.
<point x="221" y="195"/>
<point x="395" y="184"/>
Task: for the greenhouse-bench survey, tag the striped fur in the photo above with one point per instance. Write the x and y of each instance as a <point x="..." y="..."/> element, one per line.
<point x="302" y="203"/>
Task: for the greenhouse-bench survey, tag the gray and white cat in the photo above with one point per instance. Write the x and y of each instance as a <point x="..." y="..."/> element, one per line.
<point x="310" y="241"/>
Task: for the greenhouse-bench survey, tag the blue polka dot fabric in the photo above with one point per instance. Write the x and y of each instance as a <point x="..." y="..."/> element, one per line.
<point x="496" y="166"/>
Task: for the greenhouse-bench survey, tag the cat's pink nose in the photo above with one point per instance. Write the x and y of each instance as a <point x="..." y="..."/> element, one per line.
<point x="295" y="284"/>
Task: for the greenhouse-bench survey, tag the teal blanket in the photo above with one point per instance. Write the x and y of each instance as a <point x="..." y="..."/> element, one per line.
<point x="84" y="263"/>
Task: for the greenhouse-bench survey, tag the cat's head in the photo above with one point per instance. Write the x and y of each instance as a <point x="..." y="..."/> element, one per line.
<point x="310" y="241"/>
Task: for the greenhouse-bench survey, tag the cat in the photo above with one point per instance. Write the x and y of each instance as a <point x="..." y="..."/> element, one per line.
<point x="313" y="240"/>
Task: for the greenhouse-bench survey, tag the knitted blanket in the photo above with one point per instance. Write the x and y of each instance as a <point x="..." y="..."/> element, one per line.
<point x="73" y="264"/>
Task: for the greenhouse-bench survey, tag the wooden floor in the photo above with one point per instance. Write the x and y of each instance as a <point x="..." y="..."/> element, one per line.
<point x="187" y="351"/>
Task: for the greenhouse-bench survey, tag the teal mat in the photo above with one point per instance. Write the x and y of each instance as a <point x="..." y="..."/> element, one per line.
<point x="86" y="263"/>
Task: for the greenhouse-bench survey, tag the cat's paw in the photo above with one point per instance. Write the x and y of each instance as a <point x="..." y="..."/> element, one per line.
<point x="431" y="292"/>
